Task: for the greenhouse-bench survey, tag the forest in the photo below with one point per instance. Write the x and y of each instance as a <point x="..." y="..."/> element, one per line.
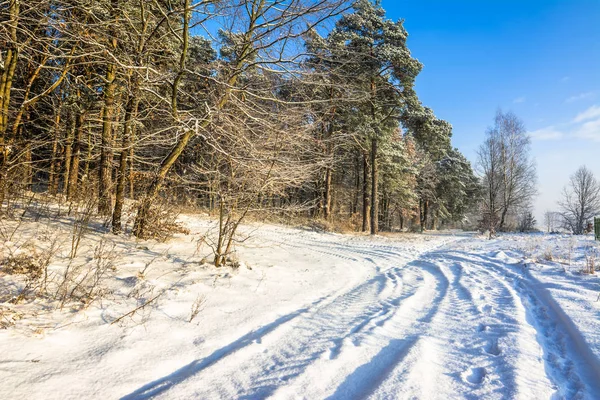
<point x="281" y="108"/>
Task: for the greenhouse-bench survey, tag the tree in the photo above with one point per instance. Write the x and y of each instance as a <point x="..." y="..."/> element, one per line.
<point x="518" y="173"/>
<point x="439" y="164"/>
<point x="581" y="200"/>
<point x="457" y="190"/>
<point x="488" y="164"/>
<point x="257" y="36"/>
<point x="106" y="100"/>
<point x="552" y="220"/>
<point x="527" y="222"/>
<point x="371" y="52"/>
<point x="507" y="170"/>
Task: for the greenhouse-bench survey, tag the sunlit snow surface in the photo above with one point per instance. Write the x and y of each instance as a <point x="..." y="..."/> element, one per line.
<point x="312" y="315"/>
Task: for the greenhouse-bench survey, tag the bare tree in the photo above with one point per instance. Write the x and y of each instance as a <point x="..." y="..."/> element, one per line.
<point x="509" y="172"/>
<point x="259" y="35"/>
<point x="581" y="200"/>
<point x="552" y="220"/>
<point x="488" y="165"/>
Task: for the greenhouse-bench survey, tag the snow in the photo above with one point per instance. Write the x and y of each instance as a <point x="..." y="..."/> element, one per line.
<point x="313" y="315"/>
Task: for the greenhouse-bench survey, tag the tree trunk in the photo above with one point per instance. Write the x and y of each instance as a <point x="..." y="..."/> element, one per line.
<point x="28" y="170"/>
<point x="73" y="176"/>
<point x="365" y="191"/>
<point x="131" y="166"/>
<point x="130" y="113"/>
<point x="327" y="195"/>
<point x="105" y="167"/>
<point x="374" y="193"/>
<point x="356" y="185"/>
<point x="67" y="155"/>
<point x="88" y="159"/>
<point x="423" y="211"/>
<point x="156" y="184"/>
<point x="53" y="177"/>
<point x="502" y="219"/>
<point x="386" y="212"/>
<point x="6" y="80"/>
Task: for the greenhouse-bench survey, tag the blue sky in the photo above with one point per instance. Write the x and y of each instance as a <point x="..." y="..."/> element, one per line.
<point x="538" y="58"/>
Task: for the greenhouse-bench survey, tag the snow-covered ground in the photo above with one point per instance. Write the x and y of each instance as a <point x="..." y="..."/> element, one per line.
<point x="313" y="315"/>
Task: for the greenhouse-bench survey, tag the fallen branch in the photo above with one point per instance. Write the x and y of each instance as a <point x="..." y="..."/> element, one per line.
<point x="132" y="312"/>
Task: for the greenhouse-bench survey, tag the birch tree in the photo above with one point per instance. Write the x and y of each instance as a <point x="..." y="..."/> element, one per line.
<point x="581" y="200"/>
<point x="507" y="169"/>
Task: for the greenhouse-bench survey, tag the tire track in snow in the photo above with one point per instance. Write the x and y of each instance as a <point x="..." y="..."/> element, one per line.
<point x="448" y="322"/>
<point x="325" y="335"/>
<point x="478" y="301"/>
<point x="513" y="367"/>
<point x="399" y="337"/>
<point x="570" y="363"/>
<point x="448" y="358"/>
<point x="285" y="352"/>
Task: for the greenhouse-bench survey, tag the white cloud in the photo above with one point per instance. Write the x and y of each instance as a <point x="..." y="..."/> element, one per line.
<point x="548" y="133"/>
<point x="581" y="96"/>
<point x="585" y="126"/>
<point x="519" y="100"/>
<point x="590" y="113"/>
<point x="565" y="79"/>
<point x="589" y="130"/>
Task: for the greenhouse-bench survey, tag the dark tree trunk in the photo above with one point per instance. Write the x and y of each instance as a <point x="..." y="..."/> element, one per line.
<point x="74" y="169"/>
<point x="105" y="167"/>
<point x="374" y="193"/>
<point x="55" y="161"/>
<point x="68" y="154"/>
<point x="327" y="195"/>
<point x="502" y="220"/>
<point x="356" y="185"/>
<point x="365" y="192"/>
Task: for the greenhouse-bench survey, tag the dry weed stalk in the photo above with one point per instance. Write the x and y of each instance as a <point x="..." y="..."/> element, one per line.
<point x="591" y="257"/>
<point x="197" y="306"/>
<point x="141" y="307"/>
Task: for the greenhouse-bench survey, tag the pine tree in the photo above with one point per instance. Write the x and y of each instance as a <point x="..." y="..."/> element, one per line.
<point x="371" y="53"/>
<point x="432" y="136"/>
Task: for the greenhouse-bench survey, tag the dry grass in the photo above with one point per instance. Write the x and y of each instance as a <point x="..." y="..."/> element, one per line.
<point x="162" y="222"/>
<point x="591" y="260"/>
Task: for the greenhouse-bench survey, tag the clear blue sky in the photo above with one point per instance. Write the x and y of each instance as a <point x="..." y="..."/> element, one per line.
<point x="538" y="58"/>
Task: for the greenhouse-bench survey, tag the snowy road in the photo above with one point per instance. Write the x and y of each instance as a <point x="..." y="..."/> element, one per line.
<point x="449" y="322"/>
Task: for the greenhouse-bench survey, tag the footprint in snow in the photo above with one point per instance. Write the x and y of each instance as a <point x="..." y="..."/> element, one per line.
<point x="198" y="341"/>
<point x="493" y="348"/>
<point x="482" y="328"/>
<point x="475" y="375"/>
<point x="487" y="309"/>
